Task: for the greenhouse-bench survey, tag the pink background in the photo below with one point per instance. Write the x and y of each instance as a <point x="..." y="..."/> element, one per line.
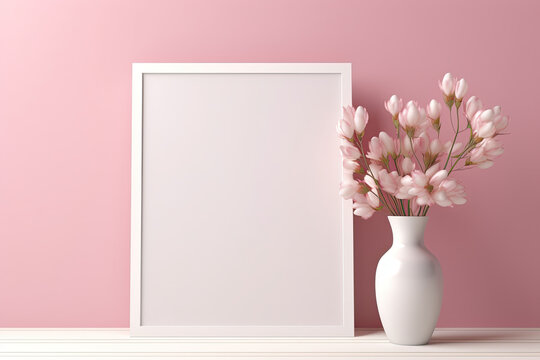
<point x="65" y="97"/>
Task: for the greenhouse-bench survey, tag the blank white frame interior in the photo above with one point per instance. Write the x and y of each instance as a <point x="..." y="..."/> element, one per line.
<point x="237" y="228"/>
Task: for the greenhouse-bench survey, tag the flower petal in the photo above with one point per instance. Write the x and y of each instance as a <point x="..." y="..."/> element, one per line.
<point x="438" y="177"/>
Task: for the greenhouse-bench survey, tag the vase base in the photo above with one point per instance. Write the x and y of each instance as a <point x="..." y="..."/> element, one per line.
<point x="403" y="343"/>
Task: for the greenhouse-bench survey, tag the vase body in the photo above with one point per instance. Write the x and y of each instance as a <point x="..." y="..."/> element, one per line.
<point x="408" y="284"/>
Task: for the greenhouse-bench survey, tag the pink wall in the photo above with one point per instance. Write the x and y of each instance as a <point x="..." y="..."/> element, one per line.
<point x="65" y="82"/>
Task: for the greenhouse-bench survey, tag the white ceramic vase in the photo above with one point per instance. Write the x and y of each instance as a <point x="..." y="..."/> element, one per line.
<point x="408" y="284"/>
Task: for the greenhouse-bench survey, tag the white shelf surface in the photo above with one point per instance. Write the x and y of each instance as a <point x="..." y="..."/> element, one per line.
<point x="447" y="343"/>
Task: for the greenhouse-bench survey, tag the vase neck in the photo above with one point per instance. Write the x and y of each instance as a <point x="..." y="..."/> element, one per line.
<point x="408" y="230"/>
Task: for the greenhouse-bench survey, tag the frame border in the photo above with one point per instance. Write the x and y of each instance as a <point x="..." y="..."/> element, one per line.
<point x="136" y="329"/>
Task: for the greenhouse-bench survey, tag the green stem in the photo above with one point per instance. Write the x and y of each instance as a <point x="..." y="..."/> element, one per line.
<point x="402" y="206"/>
<point x="455" y="137"/>
<point x="399" y="173"/>
<point x="396" y="204"/>
<point x="390" y="208"/>
<point x="454" y="165"/>
<point x="469" y="147"/>
<point x="397" y="167"/>
<point x="399" y="139"/>
<point x="414" y="153"/>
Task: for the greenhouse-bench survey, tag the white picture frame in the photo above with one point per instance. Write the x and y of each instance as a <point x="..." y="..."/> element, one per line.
<point x="269" y="261"/>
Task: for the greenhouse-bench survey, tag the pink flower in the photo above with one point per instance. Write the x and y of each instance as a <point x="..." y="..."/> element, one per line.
<point x="375" y="169"/>
<point x="431" y="187"/>
<point x="361" y="118"/>
<point x="489" y="123"/>
<point x="434" y="109"/>
<point x="422" y="142"/>
<point x="421" y="148"/>
<point x="348" y="114"/>
<point x="349" y="152"/>
<point x="472" y="107"/>
<point x="347" y="189"/>
<point x="461" y="89"/>
<point x="363" y="210"/>
<point x="373" y="199"/>
<point x="390" y="182"/>
<point x="407" y="165"/>
<point x="407" y="148"/>
<point x="376" y="149"/>
<point x="365" y="205"/>
<point x="412" y="118"/>
<point x="499" y="121"/>
<point x="345" y="126"/>
<point x="482" y="123"/>
<point x="394" y="106"/>
<point x="435" y="147"/>
<point x="371" y="178"/>
<point x="345" y="129"/>
<point x="371" y="181"/>
<point x="483" y="155"/>
<point x="380" y="147"/>
<point x="447" y="85"/>
<point x="350" y="166"/>
<point x="387" y="144"/>
<point x="449" y="193"/>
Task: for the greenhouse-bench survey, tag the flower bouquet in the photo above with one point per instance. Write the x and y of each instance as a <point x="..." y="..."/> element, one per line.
<point x="407" y="174"/>
<point x="410" y="172"/>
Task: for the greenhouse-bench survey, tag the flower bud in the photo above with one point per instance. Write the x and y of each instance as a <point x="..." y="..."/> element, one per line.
<point x="345" y="129"/>
<point x="413" y="115"/>
<point x="487" y="130"/>
<point x="500" y="122"/>
<point x="407" y="165"/>
<point x="370" y="180"/>
<point x="447" y="85"/>
<point x="434" y="109"/>
<point x="472" y="107"/>
<point x="350" y="165"/>
<point x="376" y="149"/>
<point x="348" y="189"/>
<point x="394" y="106"/>
<point x="461" y="89"/>
<point x="388" y="144"/>
<point x="412" y="118"/>
<point x="435" y="147"/>
<point x="349" y="152"/>
<point x="487" y="116"/>
<point x="361" y="118"/>
<point x="372" y="199"/>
